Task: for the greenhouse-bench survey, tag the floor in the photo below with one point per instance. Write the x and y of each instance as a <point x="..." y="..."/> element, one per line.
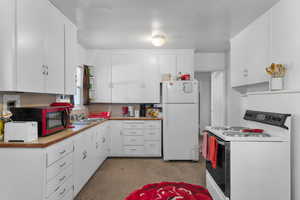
<point x="118" y="177"/>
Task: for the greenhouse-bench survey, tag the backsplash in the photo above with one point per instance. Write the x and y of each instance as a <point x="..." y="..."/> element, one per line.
<point x="115" y="109"/>
<point x="30" y="99"/>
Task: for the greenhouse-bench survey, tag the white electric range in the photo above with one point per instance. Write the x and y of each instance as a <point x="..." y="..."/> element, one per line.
<point x="252" y="165"/>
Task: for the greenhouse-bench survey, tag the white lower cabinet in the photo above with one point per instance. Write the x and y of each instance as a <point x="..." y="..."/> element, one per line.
<point x="57" y="172"/>
<point x="60" y="171"/>
<point x="90" y="151"/>
<point x="136" y="138"/>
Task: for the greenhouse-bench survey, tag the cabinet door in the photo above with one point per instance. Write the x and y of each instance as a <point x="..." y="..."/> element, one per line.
<point x="31" y="23"/>
<point x="167" y="64"/>
<point x="258" y="49"/>
<point x="54" y="50"/>
<point x="135" y="78"/>
<point x="126" y="78"/>
<point x="82" y="159"/>
<point x="102" y="67"/>
<point x="185" y="64"/>
<point x="151" y="77"/>
<point x="116" y="143"/>
<point x="70" y="57"/>
<point x="238" y="65"/>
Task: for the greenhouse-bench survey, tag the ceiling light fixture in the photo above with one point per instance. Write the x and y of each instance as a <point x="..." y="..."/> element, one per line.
<point x="158" y="40"/>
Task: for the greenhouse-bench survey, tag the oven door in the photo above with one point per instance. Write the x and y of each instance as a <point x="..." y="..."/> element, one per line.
<point x="221" y="174"/>
<point x="54" y="120"/>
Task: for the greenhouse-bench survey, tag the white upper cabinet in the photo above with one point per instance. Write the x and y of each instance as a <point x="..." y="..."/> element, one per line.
<point x="185" y="63"/>
<point x="167" y="64"/>
<point x="102" y="72"/>
<point x="71" y="60"/>
<point x="33" y="47"/>
<point x="135" y="78"/>
<point x="250" y="53"/>
<point x="31" y="32"/>
<point x="55" y="50"/>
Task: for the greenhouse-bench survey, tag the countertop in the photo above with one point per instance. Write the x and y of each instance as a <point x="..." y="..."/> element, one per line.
<point x="43" y="142"/>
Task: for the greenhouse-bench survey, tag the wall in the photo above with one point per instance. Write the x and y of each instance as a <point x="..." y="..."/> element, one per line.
<point x="204" y="79"/>
<point x="207" y="62"/>
<point x="82" y="55"/>
<point x="115" y="109"/>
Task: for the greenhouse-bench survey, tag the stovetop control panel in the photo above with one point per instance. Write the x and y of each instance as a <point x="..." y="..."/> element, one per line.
<point x="274" y="119"/>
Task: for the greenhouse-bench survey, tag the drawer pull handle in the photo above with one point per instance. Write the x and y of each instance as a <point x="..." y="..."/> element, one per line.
<point x="132" y="149"/>
<point x="62" y="152"/>
<point x="62" y="165"/>
<point x="56" y="189"/>
<point x="62" y="178"/>
<point x="97" y="145"/>
<point x="103" y="140"/>
<point x="61" y="193"/>
<point x="84" y="155"/>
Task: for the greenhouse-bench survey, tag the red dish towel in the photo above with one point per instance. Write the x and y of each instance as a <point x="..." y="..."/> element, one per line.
<point x="170" y="191"/>
<point x="213" y="150"/>
<point x="204" y="145"/>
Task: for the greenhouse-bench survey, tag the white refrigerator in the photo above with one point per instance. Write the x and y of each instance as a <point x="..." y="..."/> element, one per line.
<point x="180" y="120"/>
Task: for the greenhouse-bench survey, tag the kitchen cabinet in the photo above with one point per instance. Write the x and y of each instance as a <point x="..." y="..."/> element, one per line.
<point x="167" y="64"/>
<point x="55" y="50"/>
<point x="185" y="64"/>
<point x="136" y="138"/>
<point x="37" y="173"/>
<point x="176" y="63"/>
<point x="40" y="47"/>
<point x="135" y="78"/>
<point x="82" y="159"/>
<point x="102" y="71"/>
<point x="250" y="53"/>
<point x="71" y="61"/>
<point x="90" y="151"/>
<point x="30" y="43"/>
<point x="34" y="49"/>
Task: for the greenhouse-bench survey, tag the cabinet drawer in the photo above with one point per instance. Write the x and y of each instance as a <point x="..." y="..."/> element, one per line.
<point x="59" y="166"/>
<point x="153" y="124"/>
<point x="58" y="151"/>
<point x="152" y="134"/>
<point x="134" y="150"/>
<point x="153" y="148"/>
<point x="63" y="190"/>
<point x="57" y="181"/>
<point x="133" y="124"/>
<point x="133" y="140"/>
<point x="133" y="132"/>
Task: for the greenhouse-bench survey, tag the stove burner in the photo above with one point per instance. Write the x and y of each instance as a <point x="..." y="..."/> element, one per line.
<point x="241" y="134"/>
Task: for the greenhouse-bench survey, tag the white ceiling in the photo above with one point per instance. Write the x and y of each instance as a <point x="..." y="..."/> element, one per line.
<point x="204" y="25"/>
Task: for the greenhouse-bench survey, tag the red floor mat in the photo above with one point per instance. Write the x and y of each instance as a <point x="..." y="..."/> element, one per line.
<point x="170" y="191"/>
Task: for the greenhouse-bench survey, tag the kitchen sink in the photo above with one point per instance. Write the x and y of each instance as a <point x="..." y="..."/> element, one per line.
<point x="87" y="121"/>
